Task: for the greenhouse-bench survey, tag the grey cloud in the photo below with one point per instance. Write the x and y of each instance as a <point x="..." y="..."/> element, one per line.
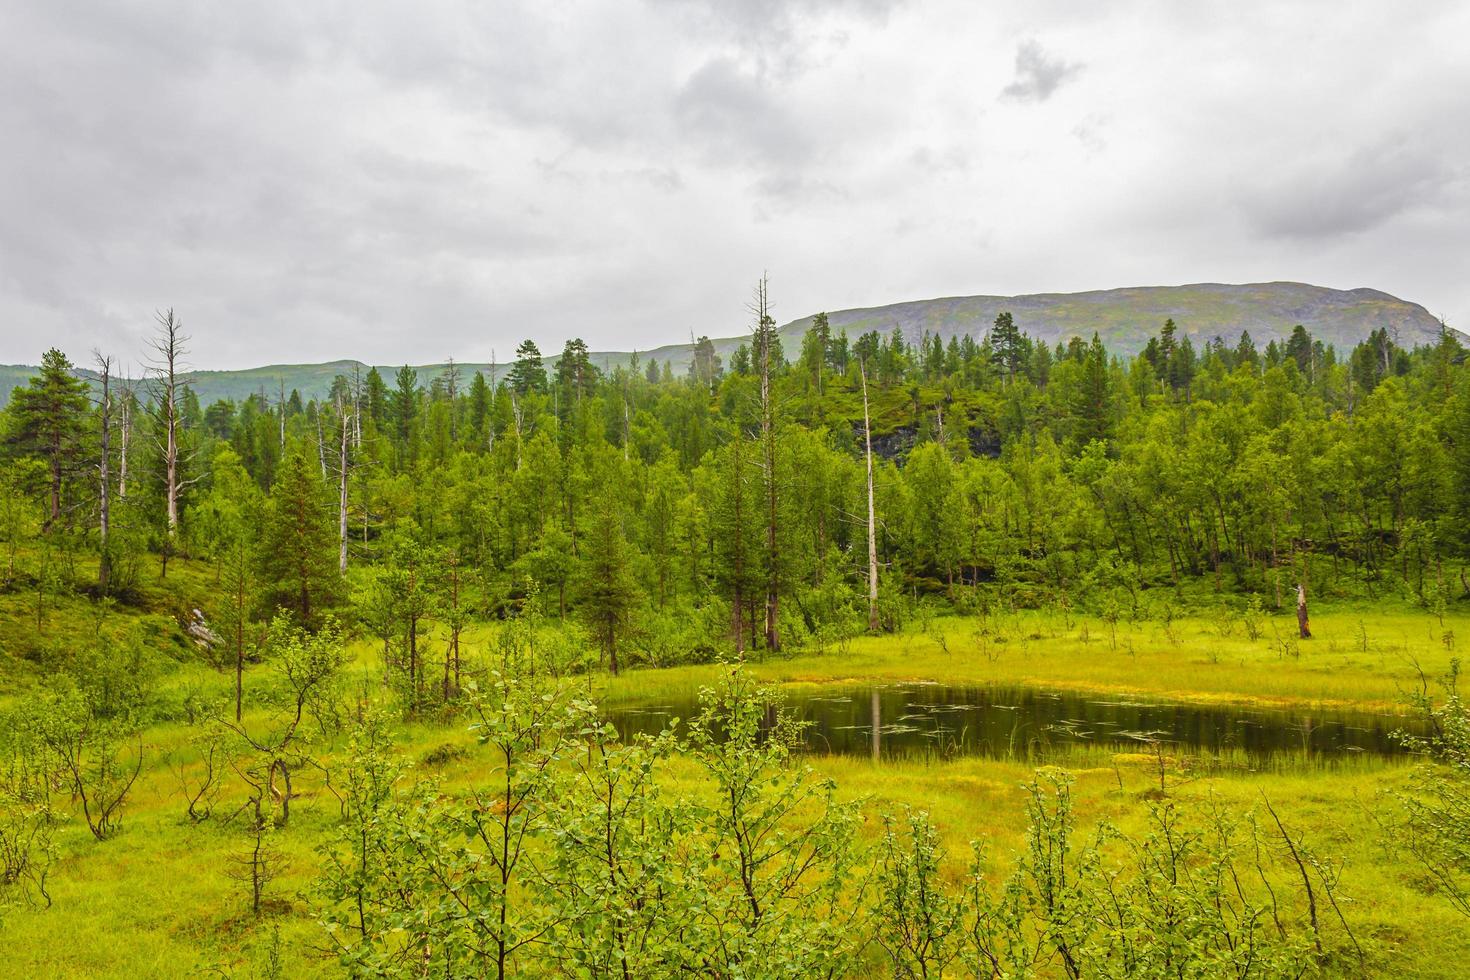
<point x="942" y="160"/>
<point x="1038" y="74"/>
<point x="310" y="181"/>
<point x="765" y="23"/>
<point x="793" y="190"/>
<point x="737" y="117"/>
<point x="662" y="178"/>
<point x="1356" y="193"/>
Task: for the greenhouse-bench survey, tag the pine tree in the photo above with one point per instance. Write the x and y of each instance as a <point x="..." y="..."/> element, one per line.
<point x="1245" y="351"/>
<point x="816" y="345"/>
<point x="608" y="592"/>
<point x="528" y="373"/>
<point x="1182" y="366"/>
<point x="480" y="398"/>
<point x="1299" y="348"/>
<point x="704" y="366"/>
<point x="298" y="557"/>
<point x="575" y="373"/>
<point x="1091" y="406"/>
<point x="1009" y="345"/>
<point x="403" y="406"/>
<point x="48" y="422"/>
<point x="377" y="396"/>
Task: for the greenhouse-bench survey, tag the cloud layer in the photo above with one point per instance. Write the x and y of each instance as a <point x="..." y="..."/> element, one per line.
<point x="410" y="182"/>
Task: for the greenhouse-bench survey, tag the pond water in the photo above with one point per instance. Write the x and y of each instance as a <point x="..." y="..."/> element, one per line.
<point x="929" y="720"/>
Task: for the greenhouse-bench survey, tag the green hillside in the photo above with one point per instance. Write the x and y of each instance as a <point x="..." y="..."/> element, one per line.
<point x="1125" y="318"/>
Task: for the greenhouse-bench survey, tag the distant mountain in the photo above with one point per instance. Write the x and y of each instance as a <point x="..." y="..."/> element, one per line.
<point x="1124" y="318"/>
<point x="1127" y="318"/>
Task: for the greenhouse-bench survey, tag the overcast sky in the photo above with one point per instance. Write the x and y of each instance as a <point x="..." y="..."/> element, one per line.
<point x="305" y="181"/>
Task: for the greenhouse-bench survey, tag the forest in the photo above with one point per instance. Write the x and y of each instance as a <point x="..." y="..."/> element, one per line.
<point x="346" y="685"/>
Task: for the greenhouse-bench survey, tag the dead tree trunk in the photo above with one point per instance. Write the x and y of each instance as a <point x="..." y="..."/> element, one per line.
<point x="451" y="388"/>
<point x="872" y="522"/>
<point x="765" y="327"/>
<point x="342" y="465"/>
<point x="125" y="437"/>
<point x="104" y="488"/>
<point x="321" y="446"/>
<point x="357" y="407"/>
<point x="515" y="412"/>
<point x="737" y="562"/>
<point x="169" y="350"/>
<point x="1303" y="629"/>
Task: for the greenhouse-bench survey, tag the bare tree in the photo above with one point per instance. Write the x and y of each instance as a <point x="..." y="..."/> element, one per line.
<point x="737" y="555"/>
<point x="515" y="411"/>
<point x="281" y="411"/>
<point x="168" y="351"/>
<point x="357" y="406"/>
<point x="125" y="439"/>
<point x="451" y="388"/>
<point x="343" y="463"/>
<point x="104" y="488"/>
<point x="321" y="446"/>
<point x="490" y="424"/>
<point x="765" y="330"/>
<point x="872" y="523"/>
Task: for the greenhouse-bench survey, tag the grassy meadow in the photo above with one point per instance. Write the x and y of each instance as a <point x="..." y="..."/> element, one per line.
<point x="163" y="897"/>
<point x="1359" y="657"/>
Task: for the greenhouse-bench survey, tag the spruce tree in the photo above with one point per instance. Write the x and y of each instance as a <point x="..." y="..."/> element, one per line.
<point x="528" y="373"/>
<point x="608" y="593"/>
<point x="1009" y="345"/>
<point x="48" y="422"/>
<point x="298" y="556"/>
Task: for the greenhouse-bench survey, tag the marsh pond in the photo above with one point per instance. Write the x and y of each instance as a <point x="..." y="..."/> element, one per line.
<point x="937" y="721"/>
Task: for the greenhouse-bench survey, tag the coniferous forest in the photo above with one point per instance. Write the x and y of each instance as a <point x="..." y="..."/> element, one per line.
<point x="743" y="670"/>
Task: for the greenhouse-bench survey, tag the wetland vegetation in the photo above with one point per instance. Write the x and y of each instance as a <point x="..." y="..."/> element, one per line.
<point x="575" y="673"/>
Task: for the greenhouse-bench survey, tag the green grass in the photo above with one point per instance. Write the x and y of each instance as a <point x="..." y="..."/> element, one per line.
<point x="158" y="900"/>
<point x="1357" y="658"/>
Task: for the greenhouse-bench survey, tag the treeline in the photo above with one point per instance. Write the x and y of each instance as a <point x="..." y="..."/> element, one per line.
<point x="677" y="516"/>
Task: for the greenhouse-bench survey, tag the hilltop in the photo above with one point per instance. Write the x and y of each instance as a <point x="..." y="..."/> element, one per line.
<point x="1125" y="318"/>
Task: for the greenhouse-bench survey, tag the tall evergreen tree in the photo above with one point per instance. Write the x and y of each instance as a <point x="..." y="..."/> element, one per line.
<point x="1009" y="345"/>
<point x="298" y="556"/>
<point x="608" y="590"/>
<point x="404" y="407"/>
<point x="1091" y="403"/>
<point x="1245" y="351"/>
<point x="376" y="395"/>
<point x="479" y="409"/>
<point x="527" y="374"/>
<point x="48" y="422"/>
<point x="575" y="373"/>
<point x="1299" y="348"/>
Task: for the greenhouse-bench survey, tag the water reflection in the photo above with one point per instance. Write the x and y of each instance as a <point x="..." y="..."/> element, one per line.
<point x="1017" y="722"/>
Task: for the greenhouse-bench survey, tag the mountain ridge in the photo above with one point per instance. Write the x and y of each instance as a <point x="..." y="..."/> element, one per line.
<point x="1124" y="317"/>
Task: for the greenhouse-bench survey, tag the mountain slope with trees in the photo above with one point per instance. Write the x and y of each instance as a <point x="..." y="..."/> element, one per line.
<point x="1123" y="318"/>
<point x="326" y="671"/>
<point x="724" y="506"/>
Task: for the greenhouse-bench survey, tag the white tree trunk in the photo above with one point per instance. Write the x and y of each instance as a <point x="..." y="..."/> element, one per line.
<point x="169" y="350"/>
<point x="872" y="520"/>
<point x="104" y="488"/>
<point x="122" y="451"/>
<point x="342" y="463"/>
<point x="765" y="327"/>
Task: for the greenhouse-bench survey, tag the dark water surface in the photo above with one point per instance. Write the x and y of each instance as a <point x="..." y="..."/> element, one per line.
<point x="928" y="720"/>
